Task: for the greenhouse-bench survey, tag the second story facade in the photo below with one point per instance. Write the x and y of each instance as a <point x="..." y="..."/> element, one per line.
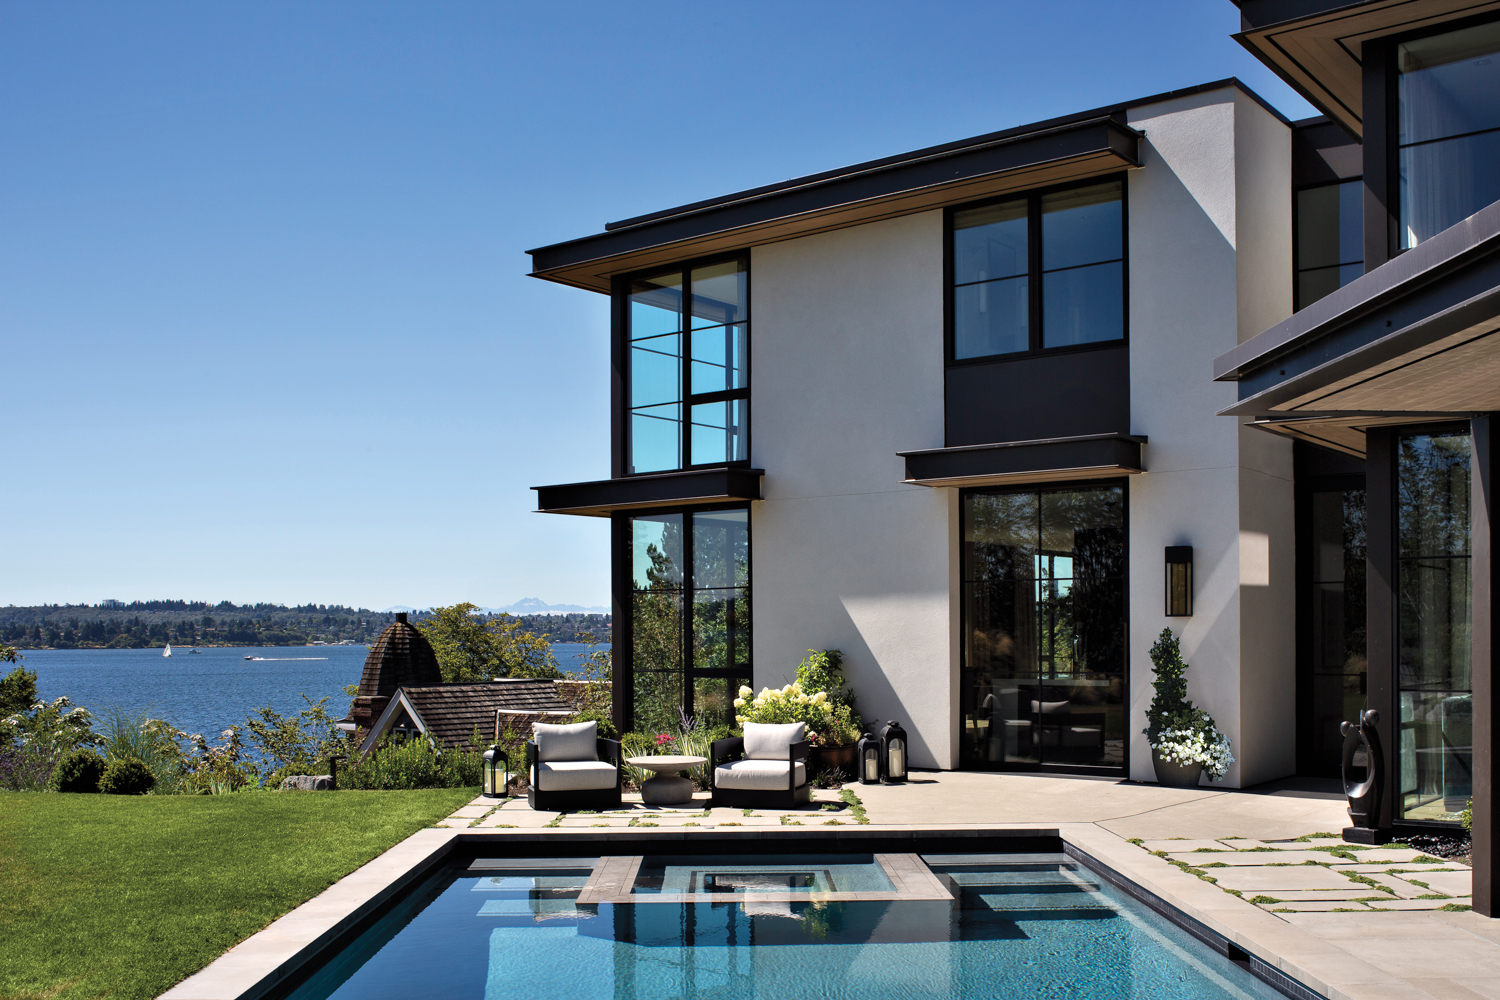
<point x="945" y="412"/>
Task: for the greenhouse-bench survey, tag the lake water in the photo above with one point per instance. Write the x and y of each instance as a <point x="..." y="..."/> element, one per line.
<point x="208" y="691"/>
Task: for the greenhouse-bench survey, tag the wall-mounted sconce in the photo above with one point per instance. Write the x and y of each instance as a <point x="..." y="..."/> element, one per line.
<point x="1179" y="581"/>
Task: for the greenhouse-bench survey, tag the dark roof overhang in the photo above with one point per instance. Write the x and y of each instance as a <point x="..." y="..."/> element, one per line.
<point x="1317" y="46"/>
<point x="950" y="174"/>
<point x="1413" y="339"/>
<point x="1086" y="456"/>
<point x="669" y="489"/>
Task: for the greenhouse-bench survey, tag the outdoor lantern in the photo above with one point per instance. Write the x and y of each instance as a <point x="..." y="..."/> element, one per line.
<point x="869" y="760"/>
<point x="1179" y="581"/>
<point x="893" y="751"/>
<point x="496" y="773"/>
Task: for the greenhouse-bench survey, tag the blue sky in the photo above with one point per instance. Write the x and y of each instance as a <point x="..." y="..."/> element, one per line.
<point x="265" y="329"/>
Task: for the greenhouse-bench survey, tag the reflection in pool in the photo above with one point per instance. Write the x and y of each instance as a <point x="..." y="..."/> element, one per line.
<point x="1019" y="925"/>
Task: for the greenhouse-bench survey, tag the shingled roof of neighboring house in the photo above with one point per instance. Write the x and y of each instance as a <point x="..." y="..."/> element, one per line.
<point x="400" y="657"/>
<point x="449" y="713"/>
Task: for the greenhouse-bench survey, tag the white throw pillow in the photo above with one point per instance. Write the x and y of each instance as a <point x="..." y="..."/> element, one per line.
<point x="576" y="742"/>
<point x="764" y="741"/>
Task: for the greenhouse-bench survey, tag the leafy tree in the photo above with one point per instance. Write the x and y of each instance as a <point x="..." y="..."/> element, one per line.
<point x="17" y="689"/>
<point x="470" y="648"/>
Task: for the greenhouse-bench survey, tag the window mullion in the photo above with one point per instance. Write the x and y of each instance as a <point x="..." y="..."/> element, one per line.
<point x="687" y="368"/>
<point x="1034" y="272"/>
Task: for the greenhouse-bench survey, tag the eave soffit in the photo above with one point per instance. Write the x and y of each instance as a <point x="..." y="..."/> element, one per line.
<point x="1115" y="149"/>
<point x="1322" y="56"/>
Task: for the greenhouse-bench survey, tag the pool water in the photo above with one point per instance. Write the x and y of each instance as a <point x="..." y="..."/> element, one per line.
<point x="1019" y="926"/>
<point x="724" y="874"/>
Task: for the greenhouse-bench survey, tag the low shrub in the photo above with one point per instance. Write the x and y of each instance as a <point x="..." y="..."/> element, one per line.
<point x="78" y="771"/>
<point x="126" y="776"/>
<point x="415" y="763"/>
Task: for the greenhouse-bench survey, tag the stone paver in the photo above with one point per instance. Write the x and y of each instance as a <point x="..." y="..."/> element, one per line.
<point x="1181" y="845"/>
<point x="1459" y="883"/>
<point x="1268" y="880"/>
<point x="1255" y="858"/>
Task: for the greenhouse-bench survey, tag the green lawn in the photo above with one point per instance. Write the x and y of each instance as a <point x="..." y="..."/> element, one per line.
<point x="123" y="896"/>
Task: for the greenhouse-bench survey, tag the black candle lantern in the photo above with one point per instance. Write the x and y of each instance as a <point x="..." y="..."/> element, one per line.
<point x="1179" y="581"/>
<point x="893" y="752"/>
<point x="869" y="760"/>
<point x="496" y="775"/>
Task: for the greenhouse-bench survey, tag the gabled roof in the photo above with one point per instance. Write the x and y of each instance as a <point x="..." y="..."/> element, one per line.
<point x="449" y="713"/>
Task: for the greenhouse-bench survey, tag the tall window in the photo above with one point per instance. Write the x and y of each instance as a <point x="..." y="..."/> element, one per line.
<point x="1330" y="239"/>
<point x="1433" y="626"/>
<point x="689" y="368"/>
<point x="1044" y="629"/>
<point x="690" y="616"/>
<point x="1337" y="665"/>
<point x="1449" y="129"/>
<point x="1042" y="271"/>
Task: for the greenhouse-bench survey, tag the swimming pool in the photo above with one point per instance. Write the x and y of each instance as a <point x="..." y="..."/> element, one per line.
<point x="835" y="926"/>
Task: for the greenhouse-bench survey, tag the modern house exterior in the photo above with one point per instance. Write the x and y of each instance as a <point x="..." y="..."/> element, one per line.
<point x="952" y="412"/>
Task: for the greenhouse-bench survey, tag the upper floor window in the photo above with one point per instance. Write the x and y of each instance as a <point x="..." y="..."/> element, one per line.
<point x="1449" y="128"/>
<point x="1041" y="271"/>
<point x="689" y="378"/>
<point x="1330" y="239"/>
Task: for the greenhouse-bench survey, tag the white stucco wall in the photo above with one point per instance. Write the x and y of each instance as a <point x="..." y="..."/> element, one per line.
<point x="847" y="370"/>
<point x="1210" y="258"/>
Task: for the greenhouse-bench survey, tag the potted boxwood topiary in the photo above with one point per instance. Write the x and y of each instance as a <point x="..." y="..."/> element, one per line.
<point x="1184" y="741"/>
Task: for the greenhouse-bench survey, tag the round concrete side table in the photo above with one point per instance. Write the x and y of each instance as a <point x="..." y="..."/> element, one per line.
<point x="666" y="788"/>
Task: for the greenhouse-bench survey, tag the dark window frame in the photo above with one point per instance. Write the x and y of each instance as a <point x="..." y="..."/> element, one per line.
<point x="1297" y="304"/>
<point x="1386" y="192"/>
<point x="1391" y="594"/>
<point x="1062" y="486"/>
<point x="621" y="292"/>
<point x="623" y="647"/>
<point x="1034" y="273"/>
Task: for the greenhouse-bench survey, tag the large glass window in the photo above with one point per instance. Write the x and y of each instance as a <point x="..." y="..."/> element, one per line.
<point x="690" y="616"/>
<point x="1037" y="272"/>
<point x="1330" y="239"/>
<point x="1434" y="690"/>
<point x="689" y="368"/>
<point x="1449" y="128"/>
<point x="1044" y="629"/>
<point x="1337" y="663"/>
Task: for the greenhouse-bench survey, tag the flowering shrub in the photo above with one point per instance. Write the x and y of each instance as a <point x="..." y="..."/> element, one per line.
<point x="1178" y="731"/>
<point x="31" y="743"/>
<point x="828" y="723"/>
<point x="666" y="743"/>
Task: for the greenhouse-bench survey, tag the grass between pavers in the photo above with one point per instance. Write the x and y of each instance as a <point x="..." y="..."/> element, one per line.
<point x="123" y="896"/>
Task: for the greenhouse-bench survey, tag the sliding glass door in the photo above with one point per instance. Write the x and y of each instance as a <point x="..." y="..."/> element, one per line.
<point x="1044" y="676"/>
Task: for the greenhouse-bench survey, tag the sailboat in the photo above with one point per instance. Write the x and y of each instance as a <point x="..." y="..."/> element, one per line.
<point x="167" y="651"/>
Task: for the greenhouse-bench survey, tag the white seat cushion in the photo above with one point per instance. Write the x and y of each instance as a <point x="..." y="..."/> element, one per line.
<point x="580" y="741"/>
<point x="767" y="741"/>
<point x="575" y="776"/>
<point x="757" y="775"/>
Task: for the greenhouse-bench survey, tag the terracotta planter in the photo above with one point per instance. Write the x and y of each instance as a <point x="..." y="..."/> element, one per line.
<point x="1173" y="775"/>
<point x="821" y="759"/>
